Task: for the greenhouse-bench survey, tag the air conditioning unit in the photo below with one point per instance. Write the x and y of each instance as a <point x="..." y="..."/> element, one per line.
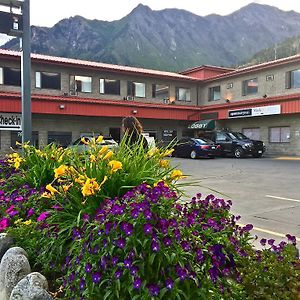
<point x="130" y="98"/>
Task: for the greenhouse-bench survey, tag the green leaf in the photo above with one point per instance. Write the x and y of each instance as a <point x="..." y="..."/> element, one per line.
<point x="151" y="258"/>
<point x="107" y="294"/>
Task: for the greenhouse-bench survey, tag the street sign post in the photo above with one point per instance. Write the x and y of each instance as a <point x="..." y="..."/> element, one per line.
<point x="19" y="25"/>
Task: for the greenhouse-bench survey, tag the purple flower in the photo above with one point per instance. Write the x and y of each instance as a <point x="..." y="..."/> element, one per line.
<point x="148" y="228"/>
<point x="153" y="289"/>
<point x="57" y="207"/>
<point x="127" y="263"/>
<point x="43" y="216"/>
<point x="120" y="242"/>
<point x="271" y="242"/>
<point x="88" y="267"/>
<point x="199" y="255"/>
<point x="96" y="277"/>
<point x="118" y="273"/>
<point x="169" y="283"/>
<point x="134" y="270"/>
<point x="185" y="246"/>
<point x="82" y="284"/>
<point x="4" y="223"/>
<point x="247" y="227"/>
<point x="291" y="238"/>
<point x="114" y="260"/>
<point x="127" y="228"/>
<point x="11" y="211"/>
<point x="147" y="214"/>
<point x="71" y="277"/>
<point x="155" y="246"/>
<point x="30" y="212"/>
<point x="137" y="283"/>
<point x="167" y="241"/>
<point x="181" y="272"/>
<point x="213" y="273"/>
<point x="263" y="242"/>
<point x="135" y="213"/>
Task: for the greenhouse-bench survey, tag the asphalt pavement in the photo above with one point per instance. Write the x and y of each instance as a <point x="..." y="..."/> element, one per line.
<point x="265" y="191"/>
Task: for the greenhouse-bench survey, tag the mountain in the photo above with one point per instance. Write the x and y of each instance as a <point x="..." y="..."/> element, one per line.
<point x="169" y="39"/>
<point x="288" y="47"/>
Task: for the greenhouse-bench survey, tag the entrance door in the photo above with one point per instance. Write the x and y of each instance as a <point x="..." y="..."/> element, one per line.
<point x="115" y="133"/>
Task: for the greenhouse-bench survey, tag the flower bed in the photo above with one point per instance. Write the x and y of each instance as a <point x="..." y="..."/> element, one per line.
<point x="111" y="225"/>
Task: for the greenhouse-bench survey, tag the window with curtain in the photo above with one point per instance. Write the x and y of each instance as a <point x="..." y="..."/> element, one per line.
<point x="279" y="134"/>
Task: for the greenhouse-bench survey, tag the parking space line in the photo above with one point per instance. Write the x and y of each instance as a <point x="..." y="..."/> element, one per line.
<point x="269" y="232"/>
<point x="282" y="198"/>
<point x="287" y="158"/>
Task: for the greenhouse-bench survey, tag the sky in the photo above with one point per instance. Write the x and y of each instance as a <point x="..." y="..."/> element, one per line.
<point x="49" y="12"/>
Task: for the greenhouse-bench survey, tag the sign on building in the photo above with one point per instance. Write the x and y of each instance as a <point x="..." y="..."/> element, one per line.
<point x="255" y="111"/>
<point x="10" y="121"/>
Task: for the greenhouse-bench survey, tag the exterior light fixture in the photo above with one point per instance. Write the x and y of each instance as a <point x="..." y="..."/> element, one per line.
<point x="61" y="106"/>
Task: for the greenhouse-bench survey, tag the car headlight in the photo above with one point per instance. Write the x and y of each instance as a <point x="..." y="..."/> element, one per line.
<point x="248" y="145"/>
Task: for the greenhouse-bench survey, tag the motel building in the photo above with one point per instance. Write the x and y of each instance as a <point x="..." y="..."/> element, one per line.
<point x="71" y="98"/>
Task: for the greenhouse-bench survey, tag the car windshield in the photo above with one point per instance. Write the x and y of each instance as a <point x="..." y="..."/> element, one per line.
<point x="240" y="136"/>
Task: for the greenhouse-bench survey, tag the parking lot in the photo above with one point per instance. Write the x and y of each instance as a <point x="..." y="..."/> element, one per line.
<point x="264" y="191"/>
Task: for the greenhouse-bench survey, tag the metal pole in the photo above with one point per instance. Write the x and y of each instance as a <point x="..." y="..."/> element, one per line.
<point x="25" y="72"/>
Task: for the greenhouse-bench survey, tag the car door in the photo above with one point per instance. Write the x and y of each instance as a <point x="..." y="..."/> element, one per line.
<point x="182" y="148"/>
<point x="224" y="141"/>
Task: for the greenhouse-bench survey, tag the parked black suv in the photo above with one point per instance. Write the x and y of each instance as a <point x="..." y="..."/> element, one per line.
<point x="236" y="143"/>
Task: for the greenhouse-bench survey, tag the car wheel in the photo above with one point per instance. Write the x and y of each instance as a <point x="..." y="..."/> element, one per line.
<point x="193" y="154"/>
<point x="238" y="152"/>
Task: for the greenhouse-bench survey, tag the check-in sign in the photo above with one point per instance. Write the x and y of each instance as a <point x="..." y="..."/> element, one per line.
<point x="10" y="121"/>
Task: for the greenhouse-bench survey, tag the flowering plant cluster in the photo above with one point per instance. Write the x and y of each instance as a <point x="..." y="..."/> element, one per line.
<point x="145" y="244"/>
<point x="111" y="225"/>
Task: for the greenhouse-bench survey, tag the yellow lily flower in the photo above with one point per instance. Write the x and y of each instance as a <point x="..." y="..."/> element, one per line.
<point x="51" y="189"/>
<point x="115" y="165"/>
<point x="99" y="139"/>
<point x="177" y="174"/>
<point x="90" y="187"/>
<point x="164" y="163"/>
<point x="92" y="158"/>
<point x="102" y="150"/>
<point x="61" y="170"/>
<point x="108" y="155"/>
<point x="84" y="140"/>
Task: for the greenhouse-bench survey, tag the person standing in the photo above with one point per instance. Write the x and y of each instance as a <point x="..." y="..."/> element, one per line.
<point x="133" y="129"/>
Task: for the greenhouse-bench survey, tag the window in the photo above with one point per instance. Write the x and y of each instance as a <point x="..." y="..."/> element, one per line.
<point x="10" y="76"/>
<point x="183" y="94"/>
<point x="252" y="133"/>
<point x="109" y="86"/>
<point x="250" y="86"/>
<point x="46" y="80"/>
<point x="214" y="93"/>
<point x="279" y="134"/>
<point x="292" y="79"/>
<point x="270" y="77"/>
<point x="136" y="89"/>
<point x="80" y="84"/>
<point x="60" y="138"/>
<point x="16" y="136"/>
<point x="160" y="91"/>
<point x="221" y="137"/>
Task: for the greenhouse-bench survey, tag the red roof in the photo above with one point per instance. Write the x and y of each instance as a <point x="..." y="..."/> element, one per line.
<point x="97" y="65"/>
<point x="262" y="66"/>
